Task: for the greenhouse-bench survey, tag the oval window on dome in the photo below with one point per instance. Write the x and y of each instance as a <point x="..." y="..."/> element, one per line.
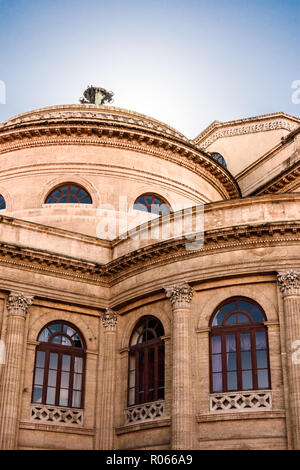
<point x="2" y="202"/>
<point x="152" y="203"/>
<point x="219" y="158"/>
<point x="69" y="193"/>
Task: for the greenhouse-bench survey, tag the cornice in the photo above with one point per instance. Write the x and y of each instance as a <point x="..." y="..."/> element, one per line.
<point x="267" y="122"/>
<point x="124" y="136"/>
<point x="159" y="254"/>
<point x="281" y="182"/>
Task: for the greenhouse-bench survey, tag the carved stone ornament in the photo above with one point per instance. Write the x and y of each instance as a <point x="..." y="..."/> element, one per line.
<point x="18" y="303"/>
<point x="96" y="95"/>
<point x="180" y="295"/>
<point x="289" y="282"/>
<point x="109" y="319"/>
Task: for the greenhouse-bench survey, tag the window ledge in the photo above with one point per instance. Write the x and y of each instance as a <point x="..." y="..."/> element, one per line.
<point x="248" y="400"/>
<point x="151" y="424"/>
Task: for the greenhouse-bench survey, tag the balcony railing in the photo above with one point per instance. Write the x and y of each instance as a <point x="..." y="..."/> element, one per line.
<point x="241" y="401"/>
<point x="145" y="412"/>
<point x="48" y="414"/>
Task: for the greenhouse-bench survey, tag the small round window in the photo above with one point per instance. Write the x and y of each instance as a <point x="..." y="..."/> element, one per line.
<point x="68" y="194"/>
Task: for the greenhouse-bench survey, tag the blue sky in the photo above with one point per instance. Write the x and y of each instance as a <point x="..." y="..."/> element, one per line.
<point x="186" y="63"/>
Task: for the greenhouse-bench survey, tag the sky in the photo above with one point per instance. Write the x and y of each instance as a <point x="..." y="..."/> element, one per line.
<point x="186" y="63"/>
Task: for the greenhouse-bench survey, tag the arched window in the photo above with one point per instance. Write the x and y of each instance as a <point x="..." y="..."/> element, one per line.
<point x="146" y="362"/>
<point x="219" y="158"/>
<point x="59" y="366"/>
<point x="2" y="202"/>
<point x="68" y="193"/>
<point x="239" y="358"/>
<point x="152" y="203"/>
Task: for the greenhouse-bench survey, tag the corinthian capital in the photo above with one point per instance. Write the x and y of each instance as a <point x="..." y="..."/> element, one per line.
<point x="180" y="295"/>
<point x="289" y="282"/>
<point x="109" y="319"/>
<point x="18" y="303"/>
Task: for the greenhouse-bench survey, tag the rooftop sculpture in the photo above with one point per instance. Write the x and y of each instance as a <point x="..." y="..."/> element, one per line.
<point x="96" y="95"/>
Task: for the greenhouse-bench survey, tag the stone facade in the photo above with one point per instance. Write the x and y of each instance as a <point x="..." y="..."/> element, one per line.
<point x="221" y="241"/>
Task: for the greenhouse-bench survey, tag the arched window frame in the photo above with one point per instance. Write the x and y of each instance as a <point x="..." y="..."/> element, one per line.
<point x="2" y="202"/>
<point x="48" y="348"/>
<point x="68" y="195"/>
<point x="224" y="350"/>
<point x="146" y="206"/>
<point x="140" y="374"/>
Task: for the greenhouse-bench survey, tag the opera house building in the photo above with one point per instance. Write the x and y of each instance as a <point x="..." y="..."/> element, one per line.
<point x="149" y="283"/>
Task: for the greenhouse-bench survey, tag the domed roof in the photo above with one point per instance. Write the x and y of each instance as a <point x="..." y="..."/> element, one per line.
<point x="91" y="113"/>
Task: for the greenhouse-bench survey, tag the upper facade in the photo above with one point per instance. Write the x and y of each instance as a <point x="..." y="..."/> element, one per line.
<point x="92" y="156"/>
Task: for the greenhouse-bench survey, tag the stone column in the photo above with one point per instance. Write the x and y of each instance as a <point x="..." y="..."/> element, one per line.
<point x="106" y="436"/>
<point x="182" y="397"/>
<point x="289" y="284"/>
<point x="17" y="307"/>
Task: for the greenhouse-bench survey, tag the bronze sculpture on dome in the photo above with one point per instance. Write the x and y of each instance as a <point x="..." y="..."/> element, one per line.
<point x="96" y="95"/>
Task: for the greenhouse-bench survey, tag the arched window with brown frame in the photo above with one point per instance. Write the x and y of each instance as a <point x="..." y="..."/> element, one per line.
<point x="153" y="203"/>
<point x="239" y="352"/>
<point x="146" y="362"/>
<point x="68" y="193"/>
<point x="59" y="370"/>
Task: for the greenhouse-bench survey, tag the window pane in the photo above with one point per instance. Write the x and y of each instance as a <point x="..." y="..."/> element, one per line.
<point x="246" y="360"/>
<point x="242" y="318"/>
<point x="77" y="341"/>
<point x="261" y="340"/>
<point x="217" y="383"/>
<point x="53" y="361"/>
<point x="65" y="341"/>
<point x="52" y="378"/>
<point x="37" y="394"/>
<point x="262" y="378"/>
<point x="261" y="357"/>
<point x="76" y="399"/>
<point x="40" y="359"/>
<point x="55" y="328"/>
<point x="56" y="340"/>
<point x="231" y="380"/>
<point x="131" y="397"/>
<point x="230" y="343"/>
<point x="39" y="376"/>
<point x="78" y="364"/>
<point x="247" y="380"/>
<point x="231" y="361"/>
<point x="245" y="342"/>
<point x="216" y="344"/>
<point x="68" y="330"/>
<point x="219" y="317"/>
<point x="217" y="362"/>
<point x="50" y="400"/>
<point x="231" y="320"/>
<point x="66" y="362"/>
<point x="63" y="397"/>
<point x="65" y="379"/>
<point x="44" y="335"/>
<point x="77" y="381"/>
<point x="256" y="314"/>
<point x="244" y="305"/>
<point x="231" y="307"/>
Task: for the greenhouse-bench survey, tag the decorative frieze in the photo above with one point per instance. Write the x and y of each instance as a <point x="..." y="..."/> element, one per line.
<point x="109" y="319"/>
<point x="56" y="415"/>
<point x="247" y="129"/>
<point x="289" y="282"/>
<point x="18" y="303"/>
<point x="240" y="401"/>
<point x="180" y="295"/>
<point x="145" y="412"/>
